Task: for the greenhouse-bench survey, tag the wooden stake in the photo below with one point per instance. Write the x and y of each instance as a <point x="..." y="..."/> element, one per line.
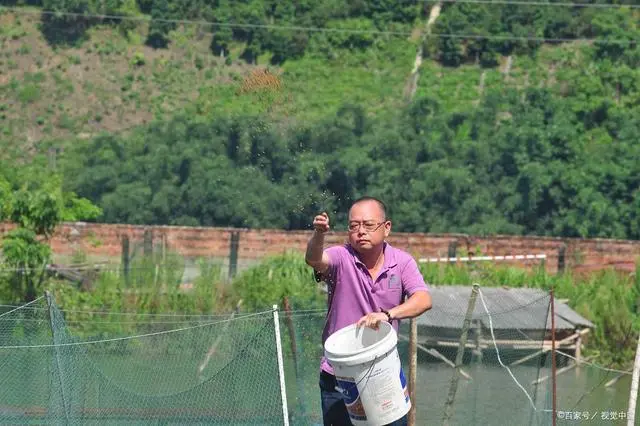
<point x="448" y="408"/>
<point x="559" y="372"/>
<point x="547" y="349"/>
<point x="215" y="344"/>
<point x="434" y="353"/>
<point x="553" y="357"/>
<point x="633" y="394"/>
<point x="614" y="380"/>
<point x="413" y="367"/>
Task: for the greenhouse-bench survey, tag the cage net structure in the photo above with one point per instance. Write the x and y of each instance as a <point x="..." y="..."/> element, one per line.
<point x="496" y="381"/>
<point x="107" y="368"/>
<point x="76" y="367"/>
<point x="505" y="368"/>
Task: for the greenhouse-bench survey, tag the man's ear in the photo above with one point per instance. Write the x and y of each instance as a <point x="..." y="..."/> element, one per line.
<point x="387" y="228"/>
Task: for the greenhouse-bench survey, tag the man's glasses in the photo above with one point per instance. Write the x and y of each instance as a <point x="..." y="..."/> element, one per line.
<point x="368" y="226"/>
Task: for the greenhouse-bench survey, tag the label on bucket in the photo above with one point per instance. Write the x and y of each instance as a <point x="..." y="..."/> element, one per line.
<point x="352" y="398"/>
<point x="403" y="382"/>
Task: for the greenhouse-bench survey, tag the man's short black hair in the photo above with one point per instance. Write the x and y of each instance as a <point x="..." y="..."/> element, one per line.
<point x="368" y="198"/>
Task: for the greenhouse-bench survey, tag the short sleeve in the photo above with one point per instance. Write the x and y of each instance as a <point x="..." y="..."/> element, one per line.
<point x="335" y="258"/>
<point x="412" y="279"/>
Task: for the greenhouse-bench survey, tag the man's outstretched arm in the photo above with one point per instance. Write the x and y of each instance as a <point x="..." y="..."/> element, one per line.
<point x="315" y="255"/>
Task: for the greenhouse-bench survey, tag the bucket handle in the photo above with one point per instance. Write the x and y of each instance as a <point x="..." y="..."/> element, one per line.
<point x="367" y="375"/>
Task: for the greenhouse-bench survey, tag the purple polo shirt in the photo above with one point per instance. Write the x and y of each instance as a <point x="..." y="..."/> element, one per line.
<point x="353" y="294"/>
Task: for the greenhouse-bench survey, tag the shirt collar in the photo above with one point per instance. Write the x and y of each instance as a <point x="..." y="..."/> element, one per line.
<point x="389" y="256"/>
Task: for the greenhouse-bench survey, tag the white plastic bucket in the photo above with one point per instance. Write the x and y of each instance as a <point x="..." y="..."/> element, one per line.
<point x="369" y="373"/>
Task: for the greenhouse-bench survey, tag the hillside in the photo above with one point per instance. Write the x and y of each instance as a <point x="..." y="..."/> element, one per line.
<point x="519" y="122"/>
<point x="112" y="82"/>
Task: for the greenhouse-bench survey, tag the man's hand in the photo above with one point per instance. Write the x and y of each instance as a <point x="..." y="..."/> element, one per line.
<point x="315" y="256"/>
<point x="372" y="320"/>
<point x="321" y="223"/>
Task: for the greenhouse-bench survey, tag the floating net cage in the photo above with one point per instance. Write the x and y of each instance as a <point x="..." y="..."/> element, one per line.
<point x="262" y="368"/>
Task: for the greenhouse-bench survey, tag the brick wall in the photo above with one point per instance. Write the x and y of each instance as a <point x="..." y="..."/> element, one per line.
<point x="103" y="240"/>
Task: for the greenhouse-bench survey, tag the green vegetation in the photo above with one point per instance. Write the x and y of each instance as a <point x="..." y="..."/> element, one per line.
<point x="606" y="298"/>
<point x="36" y="203"/>
<point x="521" y="137"/>
<point x="258" y="124"/>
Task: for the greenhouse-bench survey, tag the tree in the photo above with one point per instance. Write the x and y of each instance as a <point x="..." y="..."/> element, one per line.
<point x="36" y="211"/>
<point x="160" y="28"/>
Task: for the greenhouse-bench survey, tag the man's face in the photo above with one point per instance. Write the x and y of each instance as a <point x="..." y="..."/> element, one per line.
<point x="367" y="226"/>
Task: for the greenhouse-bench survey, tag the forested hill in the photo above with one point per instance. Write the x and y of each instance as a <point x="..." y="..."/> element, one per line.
<point x="466" y="116"/>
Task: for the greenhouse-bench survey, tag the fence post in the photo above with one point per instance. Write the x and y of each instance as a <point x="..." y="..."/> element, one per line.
<point x="125" y="258"/>
<point x="553" y="356"/>
<point x="148" y="242"/>
<point x="633" y="394"/>
<point x="233" y="253"/>
<point x="413" y="367"/>
<point x="283" y="390"/>
<point x="452" y="249"/>
<point x="448" y="408"/>
<point x="561" y="258"/>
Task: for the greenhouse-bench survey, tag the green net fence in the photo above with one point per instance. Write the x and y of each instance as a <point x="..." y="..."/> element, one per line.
<point x="485" y="392"/>
<point x="506" y="372"/>
<point x="81" y="367"/>
<point x="96" y="369"/>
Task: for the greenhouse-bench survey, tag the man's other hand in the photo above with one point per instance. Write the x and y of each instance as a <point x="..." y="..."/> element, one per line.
<point x="372" y="320"/>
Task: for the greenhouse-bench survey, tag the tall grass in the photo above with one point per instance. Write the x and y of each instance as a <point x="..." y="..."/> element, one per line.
<point x="607" y="298"/>
<point x="268" y="283"/>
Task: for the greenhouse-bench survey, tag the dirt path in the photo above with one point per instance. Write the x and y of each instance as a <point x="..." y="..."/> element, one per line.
<point x="412" y="82"/>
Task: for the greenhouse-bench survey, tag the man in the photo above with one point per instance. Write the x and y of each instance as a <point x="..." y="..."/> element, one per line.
<point x="367" y="279"/>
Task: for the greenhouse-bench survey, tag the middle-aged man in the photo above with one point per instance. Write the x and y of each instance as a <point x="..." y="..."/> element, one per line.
<point x="367" y="280"/>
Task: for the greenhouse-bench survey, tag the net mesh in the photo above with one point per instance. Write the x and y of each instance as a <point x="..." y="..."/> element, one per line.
<point x="196" y="370"/>
<point x="485" y="392"/>
<point x="66" y="367"/>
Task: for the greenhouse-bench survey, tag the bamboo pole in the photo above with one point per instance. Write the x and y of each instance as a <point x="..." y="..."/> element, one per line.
<point x="413" y="373"/>
<point x="553" y="356"/>
<point x="614" y="380"/>
<point x="543" y="350"/>
<point x="214" y="346"/>
<point x="448" y="408"/>
<point x="559" y="372"/>
<point x="434" y="353"/>
<point x="633" y="395"/>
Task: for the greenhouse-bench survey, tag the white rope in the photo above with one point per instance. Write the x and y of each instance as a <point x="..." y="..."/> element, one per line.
<point x="557" y="351"/>
<point x="131" y="337"/>
<point x="18" y="10"/>
<point x="493" y="337"/>
<point x="20" y="307"/>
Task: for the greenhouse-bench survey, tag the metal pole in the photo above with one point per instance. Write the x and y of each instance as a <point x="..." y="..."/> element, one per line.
<point x="448" y="409"/>
<point x="553" y="357"/>
<point x="413" y="368"/>
<point x="633" y="395"/>
<point x="283" y="390"/>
